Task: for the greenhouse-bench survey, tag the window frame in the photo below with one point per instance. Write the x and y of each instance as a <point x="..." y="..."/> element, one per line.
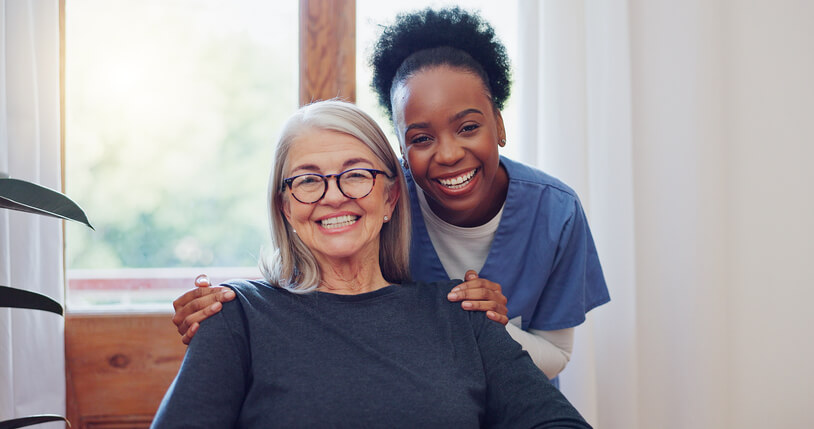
<point x="142" y="352"/>
<point x="327" y="69"/>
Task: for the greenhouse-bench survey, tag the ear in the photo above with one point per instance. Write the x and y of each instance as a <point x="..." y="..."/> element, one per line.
<point x="393" y="198"/>
<point x="402" y="150"/>
<point x="501" y="129"/>
<point x="285" y="207"/>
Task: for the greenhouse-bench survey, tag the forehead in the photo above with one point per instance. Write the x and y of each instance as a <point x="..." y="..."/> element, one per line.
<point x="432" y="91"/>
<point x="327" y="151"/>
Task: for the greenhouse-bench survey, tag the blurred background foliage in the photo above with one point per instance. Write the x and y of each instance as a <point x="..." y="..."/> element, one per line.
<point x="172" y="111"/>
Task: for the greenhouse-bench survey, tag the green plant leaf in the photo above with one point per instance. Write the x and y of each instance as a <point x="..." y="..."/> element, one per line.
<point x="32" y="198"/>
<point x="32" y="420"/>
<point x="18" y="298"/>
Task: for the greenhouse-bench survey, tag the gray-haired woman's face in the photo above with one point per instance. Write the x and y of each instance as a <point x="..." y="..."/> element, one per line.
<point x="336" y="227"/>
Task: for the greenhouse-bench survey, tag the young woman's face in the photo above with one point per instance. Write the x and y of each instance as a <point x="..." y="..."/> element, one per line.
<point x="337" y="227"/>
<point x="449" y="133"/>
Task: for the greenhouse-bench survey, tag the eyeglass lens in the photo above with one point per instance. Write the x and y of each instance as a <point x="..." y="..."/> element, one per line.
<point x="310" y="188"/>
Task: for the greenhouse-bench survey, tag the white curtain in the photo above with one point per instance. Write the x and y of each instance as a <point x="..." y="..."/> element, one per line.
<point x="686" y="128"/>
<point x="32" y="350"/>
<point x="574" y="83"/>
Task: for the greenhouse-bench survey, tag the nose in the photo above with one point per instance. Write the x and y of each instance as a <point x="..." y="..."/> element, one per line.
<point x="333" y="196"/>
<point x="449" y="151"/>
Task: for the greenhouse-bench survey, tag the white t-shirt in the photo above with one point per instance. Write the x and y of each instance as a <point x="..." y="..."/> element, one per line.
<point x="459" y="248"/>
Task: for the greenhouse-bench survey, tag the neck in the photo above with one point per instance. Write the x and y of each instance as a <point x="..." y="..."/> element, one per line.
<point x="351" y="276"/>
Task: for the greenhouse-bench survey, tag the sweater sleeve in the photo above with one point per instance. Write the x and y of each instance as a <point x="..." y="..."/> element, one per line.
<point x="211" y="384"/>
<point x="518" y="394"/>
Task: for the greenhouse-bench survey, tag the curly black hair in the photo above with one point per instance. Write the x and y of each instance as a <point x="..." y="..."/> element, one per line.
<point x="440" y="37"/>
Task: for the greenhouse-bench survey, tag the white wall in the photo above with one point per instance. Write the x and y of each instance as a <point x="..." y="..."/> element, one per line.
<point x="723" y="154"/>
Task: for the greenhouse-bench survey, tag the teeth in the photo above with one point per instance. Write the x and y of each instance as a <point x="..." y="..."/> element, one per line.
<point x="339" y="221"/>
<point x="458" y="182"/>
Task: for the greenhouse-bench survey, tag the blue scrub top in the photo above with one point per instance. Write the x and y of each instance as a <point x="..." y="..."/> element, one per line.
<point x="542" y="255"/>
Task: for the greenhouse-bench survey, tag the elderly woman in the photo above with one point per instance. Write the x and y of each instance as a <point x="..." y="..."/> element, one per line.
<point x="337" y="335"/>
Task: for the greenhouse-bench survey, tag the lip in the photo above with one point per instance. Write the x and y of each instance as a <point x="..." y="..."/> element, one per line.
<point x="319" y="220"/>
<point x="468" y="186"/>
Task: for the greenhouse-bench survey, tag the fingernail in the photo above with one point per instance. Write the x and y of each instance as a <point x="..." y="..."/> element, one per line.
<point x="229" y="293"/>
<point x="467" y="305"/>
<point x="455" y="289"/>
<point x="215" y="306"/>
<point x="201" y="279"/>
<point x="452" y="295"/>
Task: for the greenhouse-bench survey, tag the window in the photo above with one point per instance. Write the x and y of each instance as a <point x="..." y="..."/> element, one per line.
<point x="172" y="110"/>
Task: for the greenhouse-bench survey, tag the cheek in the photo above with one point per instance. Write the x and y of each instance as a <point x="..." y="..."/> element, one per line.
<point x="416" y="160"/>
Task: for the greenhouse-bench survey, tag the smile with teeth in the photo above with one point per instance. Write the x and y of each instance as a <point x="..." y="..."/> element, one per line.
<point x="338" y="221"/>
<point x="460" y="181"/>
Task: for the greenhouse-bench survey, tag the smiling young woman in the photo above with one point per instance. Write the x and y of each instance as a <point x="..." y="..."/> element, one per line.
<point x="450" y="134"/>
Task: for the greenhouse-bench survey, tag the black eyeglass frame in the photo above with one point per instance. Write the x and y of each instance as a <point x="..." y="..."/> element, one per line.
<point x="290" y="181"/>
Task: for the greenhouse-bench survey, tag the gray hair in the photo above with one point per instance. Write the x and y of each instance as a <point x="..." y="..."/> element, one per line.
<point x="289" y="263"/>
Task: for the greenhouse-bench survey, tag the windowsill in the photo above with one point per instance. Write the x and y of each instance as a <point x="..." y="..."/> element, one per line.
<point x="139" y="290"/>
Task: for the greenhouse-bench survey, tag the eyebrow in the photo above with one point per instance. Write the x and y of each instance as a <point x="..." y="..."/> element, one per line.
<point x="345" y="165"/>
<point x="455" y="117"/>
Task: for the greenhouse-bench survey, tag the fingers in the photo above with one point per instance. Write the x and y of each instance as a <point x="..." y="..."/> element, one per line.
<point x="201" y="307"/>
<point x="477" y="294"/>
<point x="198" y="304"/>
<point x="500" y="318"/>
<point x="190" y="333"/>
<point x="492" y="306"/>
<point x="479" y="290"/>
<point x="198" y="317"/>
<point x="196" y="299"/>
<point x="202" y="284"/>
<point x="480" y="299"/>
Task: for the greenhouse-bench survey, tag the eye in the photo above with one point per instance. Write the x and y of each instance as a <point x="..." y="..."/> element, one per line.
<point x="307" y="180"/>
<point x="419" y="139"/>
<point x="357" y="175"/>
<point x="468" y="128"/>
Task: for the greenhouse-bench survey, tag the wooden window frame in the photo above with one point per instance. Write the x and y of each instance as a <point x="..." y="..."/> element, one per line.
<point x="118" y="366"/>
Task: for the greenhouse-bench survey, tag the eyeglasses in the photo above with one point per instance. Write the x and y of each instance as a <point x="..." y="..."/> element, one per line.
<point x="354" y="183"/>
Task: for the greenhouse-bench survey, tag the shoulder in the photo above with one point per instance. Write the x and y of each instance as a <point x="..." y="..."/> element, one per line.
<point x="520" y="173"/>
<point x="253" y="294"/>
<point x="553" y="196"/>
<point x="251" y="289"/>
<point x="408" y="177"/>
<point x="433" y="296"/>
<point x="434" y="288"/>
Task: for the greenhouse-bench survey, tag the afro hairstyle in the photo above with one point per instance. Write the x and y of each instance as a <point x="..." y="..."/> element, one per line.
<point x="445" y="28"/>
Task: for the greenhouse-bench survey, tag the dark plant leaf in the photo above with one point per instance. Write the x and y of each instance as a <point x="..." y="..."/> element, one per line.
<point x="32" y="420"/>
<point x="18" y="298"/>
<point x="32" y="198"/>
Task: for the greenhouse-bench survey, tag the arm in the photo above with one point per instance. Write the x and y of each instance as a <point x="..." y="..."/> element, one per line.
<point x="549" y="350"/>
<point x="519" y="394"/>
<point x="194" y="400"/>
